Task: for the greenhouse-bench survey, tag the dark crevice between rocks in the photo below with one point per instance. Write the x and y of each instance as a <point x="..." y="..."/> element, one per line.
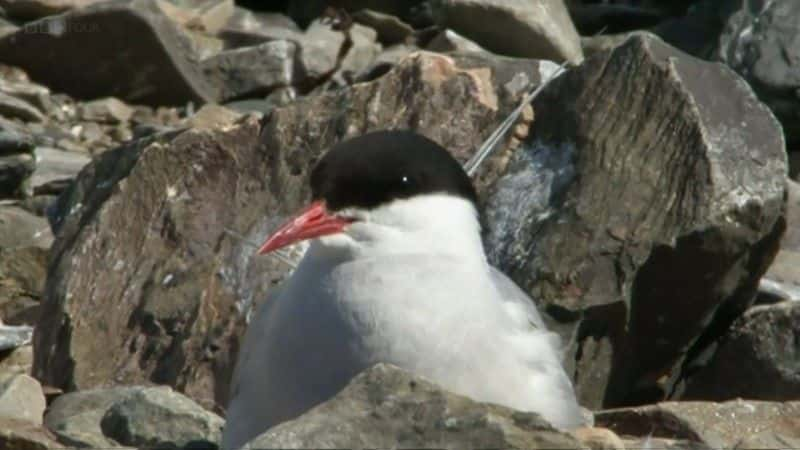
<point x="755" y="262"/>
<point x="657" y="353"/>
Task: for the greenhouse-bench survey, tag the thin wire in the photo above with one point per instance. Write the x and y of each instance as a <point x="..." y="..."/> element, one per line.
<point x="490" y="143"/>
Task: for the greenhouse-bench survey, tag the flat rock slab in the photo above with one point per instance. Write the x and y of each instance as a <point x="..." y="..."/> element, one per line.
<point x="733" y="424"/>
<point x="387" y="407"/>
<point x="125" y="49"/>
<point x="642" y="227"/>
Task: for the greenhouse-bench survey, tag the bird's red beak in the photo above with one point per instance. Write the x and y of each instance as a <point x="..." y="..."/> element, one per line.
<point x="313" y="221"/>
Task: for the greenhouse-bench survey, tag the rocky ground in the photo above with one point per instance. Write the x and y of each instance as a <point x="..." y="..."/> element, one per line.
<point x="648" y="200"/>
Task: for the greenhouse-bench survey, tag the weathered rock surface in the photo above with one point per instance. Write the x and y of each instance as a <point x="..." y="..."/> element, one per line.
<point x="735" y="424"/>
<point x="138" y="416"/>
<point x="534" y="29"/>
<point x="23" y="435"/>
<point x="17" y="361"/>
<point x="143" y="271"/>
<point x="112" y="38"/>
<point x="161" y="418"/>
<point x="653" y="221"/>
<point x="55" y="169"/>
<point x="253" y="71"/>
<point x="75" y="417"/>
<point x="758" y="358"/>
<point x="23" y="229"/>
<point x="22" y="275"/>
<point x="760" y="41"/>
<point x="386" y="407"/>
<point x="21" y="398"/>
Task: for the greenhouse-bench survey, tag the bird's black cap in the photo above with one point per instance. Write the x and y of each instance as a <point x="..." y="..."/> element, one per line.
<point x="378" y="167"/>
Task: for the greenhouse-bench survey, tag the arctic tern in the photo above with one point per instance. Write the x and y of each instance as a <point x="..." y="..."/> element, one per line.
<point x="395" y="273"/>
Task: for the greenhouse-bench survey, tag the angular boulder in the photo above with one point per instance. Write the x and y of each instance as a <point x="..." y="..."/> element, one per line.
<point x="387" y="407"/>
<point x="127" y="49"/>
<point x="531" y="29"/>
<point x="641" y="212"/>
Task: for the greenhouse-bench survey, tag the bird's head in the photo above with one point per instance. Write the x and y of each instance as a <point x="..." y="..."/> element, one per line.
<point x="383" y="186"/>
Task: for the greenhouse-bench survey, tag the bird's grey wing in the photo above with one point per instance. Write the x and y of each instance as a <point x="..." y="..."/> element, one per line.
<point x="518" y="301"/>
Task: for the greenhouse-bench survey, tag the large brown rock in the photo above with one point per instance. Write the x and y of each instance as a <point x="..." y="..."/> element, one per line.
<point x="145" y="285"/>
<point x="126" y="49"/>
<point x="641" y="212"/>
<point x="386" y="407"/>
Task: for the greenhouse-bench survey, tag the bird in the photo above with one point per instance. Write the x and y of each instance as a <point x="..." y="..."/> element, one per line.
<point x="395" y="272"/>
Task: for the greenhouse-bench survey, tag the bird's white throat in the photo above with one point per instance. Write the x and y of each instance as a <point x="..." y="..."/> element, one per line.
<point x="430" y="223"/>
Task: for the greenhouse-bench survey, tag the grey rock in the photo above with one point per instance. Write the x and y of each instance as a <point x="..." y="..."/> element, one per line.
<point x="321" y="45"/>
<point x="21" y="398"/>
<point x="450" y="41"/>
<point x="105" y="110"/>
<point x="757" y="358"/>
<point x="25" y="90"/>
<point x="121" y="34"/>
<point x="605" y="42"/>
<point x="359" y="57"/>
<point x="19" y="229"/>
<point x="161" y="418"/>
<point x="390" y="29"/>
<point x="75" y="417"/>
<point x="386" y="407"/>
<point x="716" y="425"/>
<point x="55" y="169"/>
<point x="15" y="108"/>
<point x="18" y="434"/>
<point x="253" y="71"/>
<point x="533" y="29"/>
<point x="246" y="28"/>
<point x="163" y="289"/>
<point x="14" y="336"/>
<point x="761" y="42"/>
<point x="622" y="276"/>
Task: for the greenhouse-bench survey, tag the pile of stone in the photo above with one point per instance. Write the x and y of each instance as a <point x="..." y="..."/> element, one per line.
<point x="645" y="200"/>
